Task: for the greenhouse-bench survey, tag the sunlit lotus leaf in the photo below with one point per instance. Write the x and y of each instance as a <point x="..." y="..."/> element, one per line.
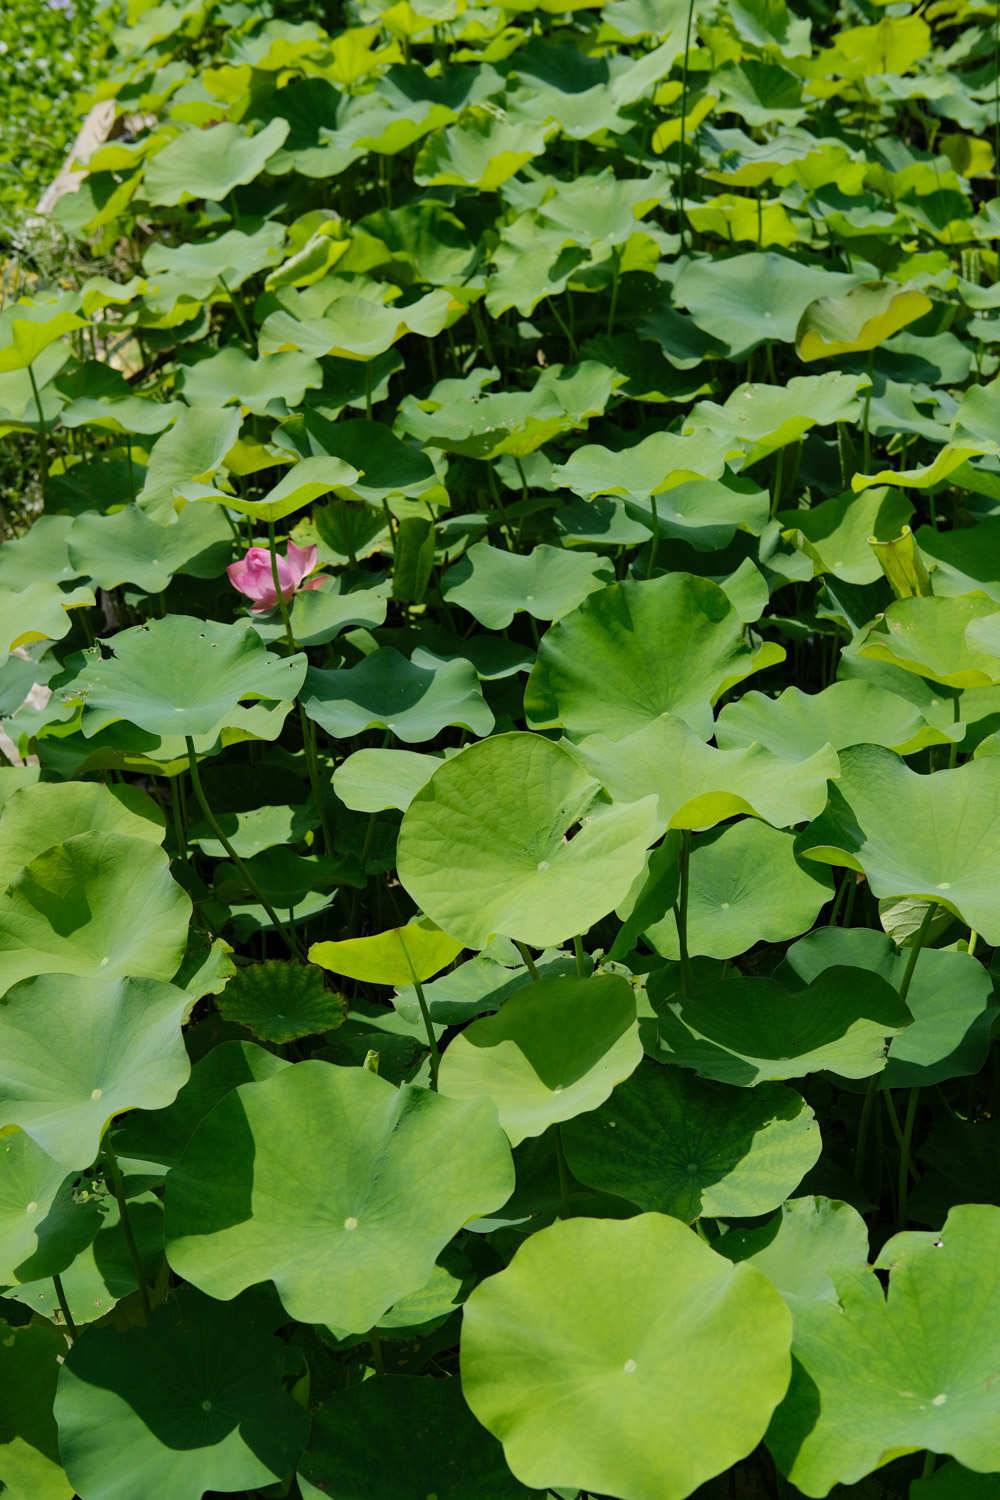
<point x="748" y="299"/>
<point x="480" y="152"/>
<point x="44" y="1222"/>
<point x="757" y="419"/>
<point x="359" y="328"/>
<point x="127" y="547"/>
<point x="192" y="451"/>
<point x="954" y="641"/>
<point x="494" y="585"/>
<point x="373" y="780"/>
<point x="797" y="725"/>
<point x="836" y="534"/>
<point x="861" y="318"/>
<point x="385" y="690"/>
<point x="40" y="612"/>
<point x="399" y="956"/>
<point x="209" y="163"/>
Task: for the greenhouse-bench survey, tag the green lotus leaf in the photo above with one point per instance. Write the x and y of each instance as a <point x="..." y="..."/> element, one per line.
<point x="494" y="585"/>
<point x="797" y="1250"/>
<point x="381" y="1416"/>
<point x="964" y="561"/>
<point x="480" y="152"/>
<point x="541" y="857"/>
<point x="358" y="328"/>
<point x="386" y="466"/>
<point x="954" y="641"/>
<point x="655" y="464"/>
<point x="158" y="1137"/>
<point x="279" y="1001"/>
<point x="40" y="612"/>
<point x="98" y="904"/>
<point x="255" y="384"/>
<point x="758" y="419"/>
<point x="707" y="513"/>
<point x="952" y="1482"/>
<point x="398" y="956"/>
<point x="256" y="829"/>
<point x="861" y="318"/>
<point x="28" y="328"/>
<point x="209" y="1413"/>
<point x="936" y="837"/>
<point x="200" y="266"/>
<point x="38" y="816"/>
<point x="386" y="691"/>
<point x="557" y="1048"/>
<point x="43" y="1223"/>
<point x="635" y="650"/>
<point x="798" y="725"/>
<point x="341" y="1189"/>
<point x="41" y="555"/>
<point x="191" y="451"/>
<point x="587" y="1306"/>
<point x="29" y="1443"/>
<point x="748" y="299"/>
<point x="671" y="1144"/>
<point x="300" y="486"/>
<point x="931" y="1338"/>
<point x="209" y="163"/>
<point x="835" y="535"/>
<point x="729" y="907"/>
<point x="750" y="1031"/>
<point x="374" y="780"/>
<point x="127" y="547"/>
<point x="697" y="786"/>
<point x="949" y="998"/>
<point x="75" y="1051"/>
<point x="182" y="676"/>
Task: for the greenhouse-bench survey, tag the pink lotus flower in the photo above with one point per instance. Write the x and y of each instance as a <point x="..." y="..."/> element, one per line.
<point x="254" y="577"/>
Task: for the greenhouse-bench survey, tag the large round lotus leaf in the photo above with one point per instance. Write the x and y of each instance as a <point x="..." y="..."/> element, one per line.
<point x="39" y="556"/>
<point x="279" y="1001"/>
<point x="385" y="691"/>
<point x="158" y="1137"/>
<point x="538" y="856"/>
<point x="877" y="1376"/>
<point x="401" y="1437"/>
<point x="339" y="1188"/>
<point x="359" y="328"/>
<point x="697" y="786"/>
<point x="748" y="299"/>
<point x="209" y="163"/>
<point x="796" y="725"/>
<point x="669" y="1143"/>
<point x="758" y="419"/>
<point x="397" y="956"/>
<point x="182" y="676"/>
<point x="494" y="585"/>
<point x="936" y="836"/>
<point x="43" y="1224"/>
<point x="555" y="1049"/>
<point x="799" y="1248"/>
<point x="949" y="998"/>
<point x="127" y="547"/>
<point x="29" y="1444"/>
<point x="36" y="817"/>
<point x="745" y="887"/>
<point x="231" y="375"/>
<point x="624" y="1357"/>
<point x="836" y="535"/>
<point x="655" y="464"/>
<point x="195" y="1401"/>
<point x="195" y="447"/>
<point x="199" y="265"/>
<point x="38" y="612"/>
<point x="862" y="318"/>
<point x="373" y="780"/>
<point x="75" y="1051"/>
<point x="635" y="650"/>
<point x="749" y="1031"/>
<point x="950" y="640"/>
<point x="257" y="828"/>
<point x="98" y="904"/>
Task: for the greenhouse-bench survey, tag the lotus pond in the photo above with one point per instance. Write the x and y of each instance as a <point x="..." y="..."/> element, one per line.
<point x="500" y="826"/>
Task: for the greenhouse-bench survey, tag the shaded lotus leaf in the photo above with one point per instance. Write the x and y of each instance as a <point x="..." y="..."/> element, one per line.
<point x="936" y="837"/>
<point x="671" y="1144"/>
<point x="591" y="1305"/>
<point x="541" y="856"/>
<point x="255" y="829"/>
<point x="29" y="1443"/>
<point x="202" y="265"/>
<point x="98" y="904"/>
<point x="397" y="956"/>
<point x="927" y="1351"/>
<point x="383" y="1415"/>
<point x="494" y="585"/>
<point x="835" y="535"/>
<point x="555" y="1049"/>
<point x="76" y="1050"/>
<point x="861" y="318"/>
<point x="208" y="1412"/>
<point x="705" y="512"/>
<point x="374" y="780"/>
<point x="748" y="299"/>
<point x="799" y="1248"/>
<point x="386" y="465"/>
<point x="182" y="676"/>
<point x="697" y="786"/>
<point x="952" y="1482"/>
<point x="750" y="1031"/>
<point x="635" y="650"/>
<point x="964" y="561"/>
<point x="300" y="486"/>
<point x="341" y="1189"/>
<point x="209" y="163"/>
<point x="36" y="817"/>
<point x="481" y="152"/>
<point x="655" y="464"/>
<point x="954" y="641"/>
<point x="797" y="725"/>
<point x="360" y="328"/>
<point x="231" y="375"/>
<point x="43" y="1223"/>
<point x="127" y="547"/>
<point x="192" y="451"/>
<point x="949" y="997"/>
<point x="279" y="1001"/>
<point x="40" y="612"/>
<point x="758" y="419"/>
<point x="159" y="1136"/>
<point x="729" y="907"/>
<point x="385" y="691"/>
